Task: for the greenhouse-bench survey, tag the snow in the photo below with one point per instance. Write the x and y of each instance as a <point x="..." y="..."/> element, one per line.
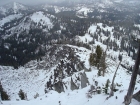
<point x="9" y="18"/>
<point x="92" y="29"/>
<point x="106" y="28"/>
<point x="57" y="9"/>
<point x="77" y="97"/>
<point x="14" y="6"/>
<point x="118" y="1"/>
<point x="137" y="34"/>
<point x="25" y="24"/>
<point x="85" y="39"/>
<point x="101" y="5"/>
<point x="101" y="10"/>
<point x="84" y="55"/>
<point x="108" y="2"/>
<point x="127" y="60"/>
<point x="101" y="45"/>
<point x="3" y="10"/>
<point x="18" y="6"/>
<point x="40" y="17"/>
<point x="33" y="81"/>
<point x="84" y="11"/>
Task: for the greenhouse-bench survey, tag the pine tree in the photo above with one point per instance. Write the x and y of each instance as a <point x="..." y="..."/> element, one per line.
<point x="92" y="59"/>
<point x="4" y="95"/>
<point x="21" y="94"/>
<point x="102" y="64"/>
<point x="98" y="53"/>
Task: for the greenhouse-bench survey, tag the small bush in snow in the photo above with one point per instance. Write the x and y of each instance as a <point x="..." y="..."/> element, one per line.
<point x="35" y="96"/>
<point x="22" y="95"/>
<point x="4" y="95"/>
<point x="89" y="95"/>
<point x="59" y="102"/>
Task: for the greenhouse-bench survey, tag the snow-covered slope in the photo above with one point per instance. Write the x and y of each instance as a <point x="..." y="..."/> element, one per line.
<point x="9" y="18"/>
<point x="33" y="81"/>
<point x="13" y="8"/>
<point x="90" y="37"/>
<point x="84" y="11"/>
<point x="62" y="75"/>
<point x="40" y="17"/>
<point x="37" y="19"/>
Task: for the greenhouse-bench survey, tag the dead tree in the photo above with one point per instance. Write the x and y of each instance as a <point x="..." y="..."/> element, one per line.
<point x="128" y="97"/>
<point x="112" y="85"/>
<point x="0" y="92"/>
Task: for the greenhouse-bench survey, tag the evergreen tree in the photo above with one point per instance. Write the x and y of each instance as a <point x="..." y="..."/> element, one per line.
<point x="21" y="94"/>
<point x="98" y="53"/>
<point x="92" y="59"/>
<point x="102" y="64"/>
<point x="4" y="95"/>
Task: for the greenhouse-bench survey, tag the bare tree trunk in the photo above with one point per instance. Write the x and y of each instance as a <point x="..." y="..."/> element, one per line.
<point x="112" y="85"/>
<point x="0" y="99"/>
<point x="128" y="97"/>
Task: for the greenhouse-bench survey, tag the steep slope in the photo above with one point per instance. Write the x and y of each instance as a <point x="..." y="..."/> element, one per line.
<point x="29" y="30"/>
<point x="33" y="78"/>
<point x="9" y="19"/>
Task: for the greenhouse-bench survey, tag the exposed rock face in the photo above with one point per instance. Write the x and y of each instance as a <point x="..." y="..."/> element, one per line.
<point x="137" y="96"/>
<point x="59" y="87"/>
<point x="84" y="80"/>
<point x="73" y="85"/>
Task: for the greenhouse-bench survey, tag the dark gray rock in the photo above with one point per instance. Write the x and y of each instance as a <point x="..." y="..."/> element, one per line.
<point x="84" y="80"/>
<point x="137" y="96"/>
<point x="59" y="87"/>
<point x="73" y="85"/>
